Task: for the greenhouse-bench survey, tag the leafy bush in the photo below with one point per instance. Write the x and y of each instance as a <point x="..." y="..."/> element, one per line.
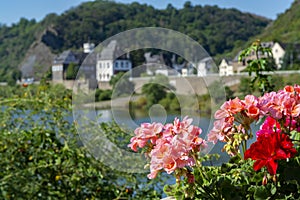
<point x="102" y="95"/>
<point x="141" y="102"/>
<point x="41" y="156"/>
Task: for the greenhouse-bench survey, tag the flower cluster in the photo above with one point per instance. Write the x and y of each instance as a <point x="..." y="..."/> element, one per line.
<point x="170" y="146"/>
<point x="281" y="110"/>
<point x="270" y="146"/>
<point x="233" y="122"/>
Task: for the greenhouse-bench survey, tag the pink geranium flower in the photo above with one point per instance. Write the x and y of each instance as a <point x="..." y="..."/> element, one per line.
<point x="171" y="145"/>
<point x="269" y="126"/>
<point x="145" y="133"/>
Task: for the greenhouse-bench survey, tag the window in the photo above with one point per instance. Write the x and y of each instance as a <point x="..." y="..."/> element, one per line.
<point x="107" y="65"/>
<point x="244" y="62"/>
<point x="117" y="64"/>
<point x="107" y="76"/>
<point x="100" y="76"/>
<point x="122" y="64"/>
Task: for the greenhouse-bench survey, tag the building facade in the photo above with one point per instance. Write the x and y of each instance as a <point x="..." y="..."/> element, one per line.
<point x="61" y="63"/>
<point x="83" y="65"/>
<point x="278" y="54"/>
<point x="225" y="68"/>
<point x="108" y="64"/>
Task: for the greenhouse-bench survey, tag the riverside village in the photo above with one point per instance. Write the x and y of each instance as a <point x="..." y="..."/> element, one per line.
<point x="99" y="68"/>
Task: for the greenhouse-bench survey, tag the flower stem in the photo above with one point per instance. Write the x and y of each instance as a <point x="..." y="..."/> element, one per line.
<point x="203" y="176"/>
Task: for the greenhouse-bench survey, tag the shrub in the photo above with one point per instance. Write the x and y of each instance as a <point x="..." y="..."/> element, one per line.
<point x="41" y="156"/>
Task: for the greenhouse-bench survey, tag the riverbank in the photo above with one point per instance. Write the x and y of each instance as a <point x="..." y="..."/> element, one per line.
<point x="122" y="102"/>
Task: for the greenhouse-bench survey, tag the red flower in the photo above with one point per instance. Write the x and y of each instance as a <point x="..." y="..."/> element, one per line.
<point x="268" y="148"/>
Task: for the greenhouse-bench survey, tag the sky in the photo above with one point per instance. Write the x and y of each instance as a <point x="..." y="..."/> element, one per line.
<point x="12" y="10"/>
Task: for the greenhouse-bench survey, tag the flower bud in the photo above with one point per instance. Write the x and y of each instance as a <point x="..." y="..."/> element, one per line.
<point x="264" y="180"/>
<point x="274" y="178"/>
<point x="191" y="178"/>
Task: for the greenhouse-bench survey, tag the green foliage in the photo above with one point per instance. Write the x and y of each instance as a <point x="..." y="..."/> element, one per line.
<point x="156" y="89"/>
<point x="137" y="57"/>
<point x="41" y="156"/>
<point x="286" y="27"/>
<point x="159" y="91"/>
<point x="102" y="95"/>
<point x="14" y="43"/>
<point x="170" y="102"/>
<point x="260" y="62"/>
<point x="154" y="93"/>
<point x="71" y="71"/>
<point x="140" y="103"/>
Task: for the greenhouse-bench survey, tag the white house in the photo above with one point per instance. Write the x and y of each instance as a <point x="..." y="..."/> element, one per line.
<point x="225" y="68"/>
<point x="108" y="64"/>
<point x="278" y="54"/>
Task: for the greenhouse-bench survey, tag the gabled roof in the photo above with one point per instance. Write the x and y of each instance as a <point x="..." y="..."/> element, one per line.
<point x="226" y="61"/>
<point x="66" y="57"/>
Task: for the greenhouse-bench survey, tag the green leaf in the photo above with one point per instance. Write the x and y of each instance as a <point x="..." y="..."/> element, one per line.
<point x="261" y="193"/>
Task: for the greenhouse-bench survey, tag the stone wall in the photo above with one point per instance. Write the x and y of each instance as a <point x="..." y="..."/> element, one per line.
<point x="191" y="84"/>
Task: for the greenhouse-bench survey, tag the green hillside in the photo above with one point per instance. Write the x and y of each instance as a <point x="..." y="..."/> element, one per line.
<point x="286" y="28"/>
<point x="218" y="30"/>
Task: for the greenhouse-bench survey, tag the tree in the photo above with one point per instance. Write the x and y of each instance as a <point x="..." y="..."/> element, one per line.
<point x="16" y="75"/>
<point x="71" y="71"/>
<point x="263" y="62"/>
<point x="157" y="89"/>
<point x="154" y="92"/>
